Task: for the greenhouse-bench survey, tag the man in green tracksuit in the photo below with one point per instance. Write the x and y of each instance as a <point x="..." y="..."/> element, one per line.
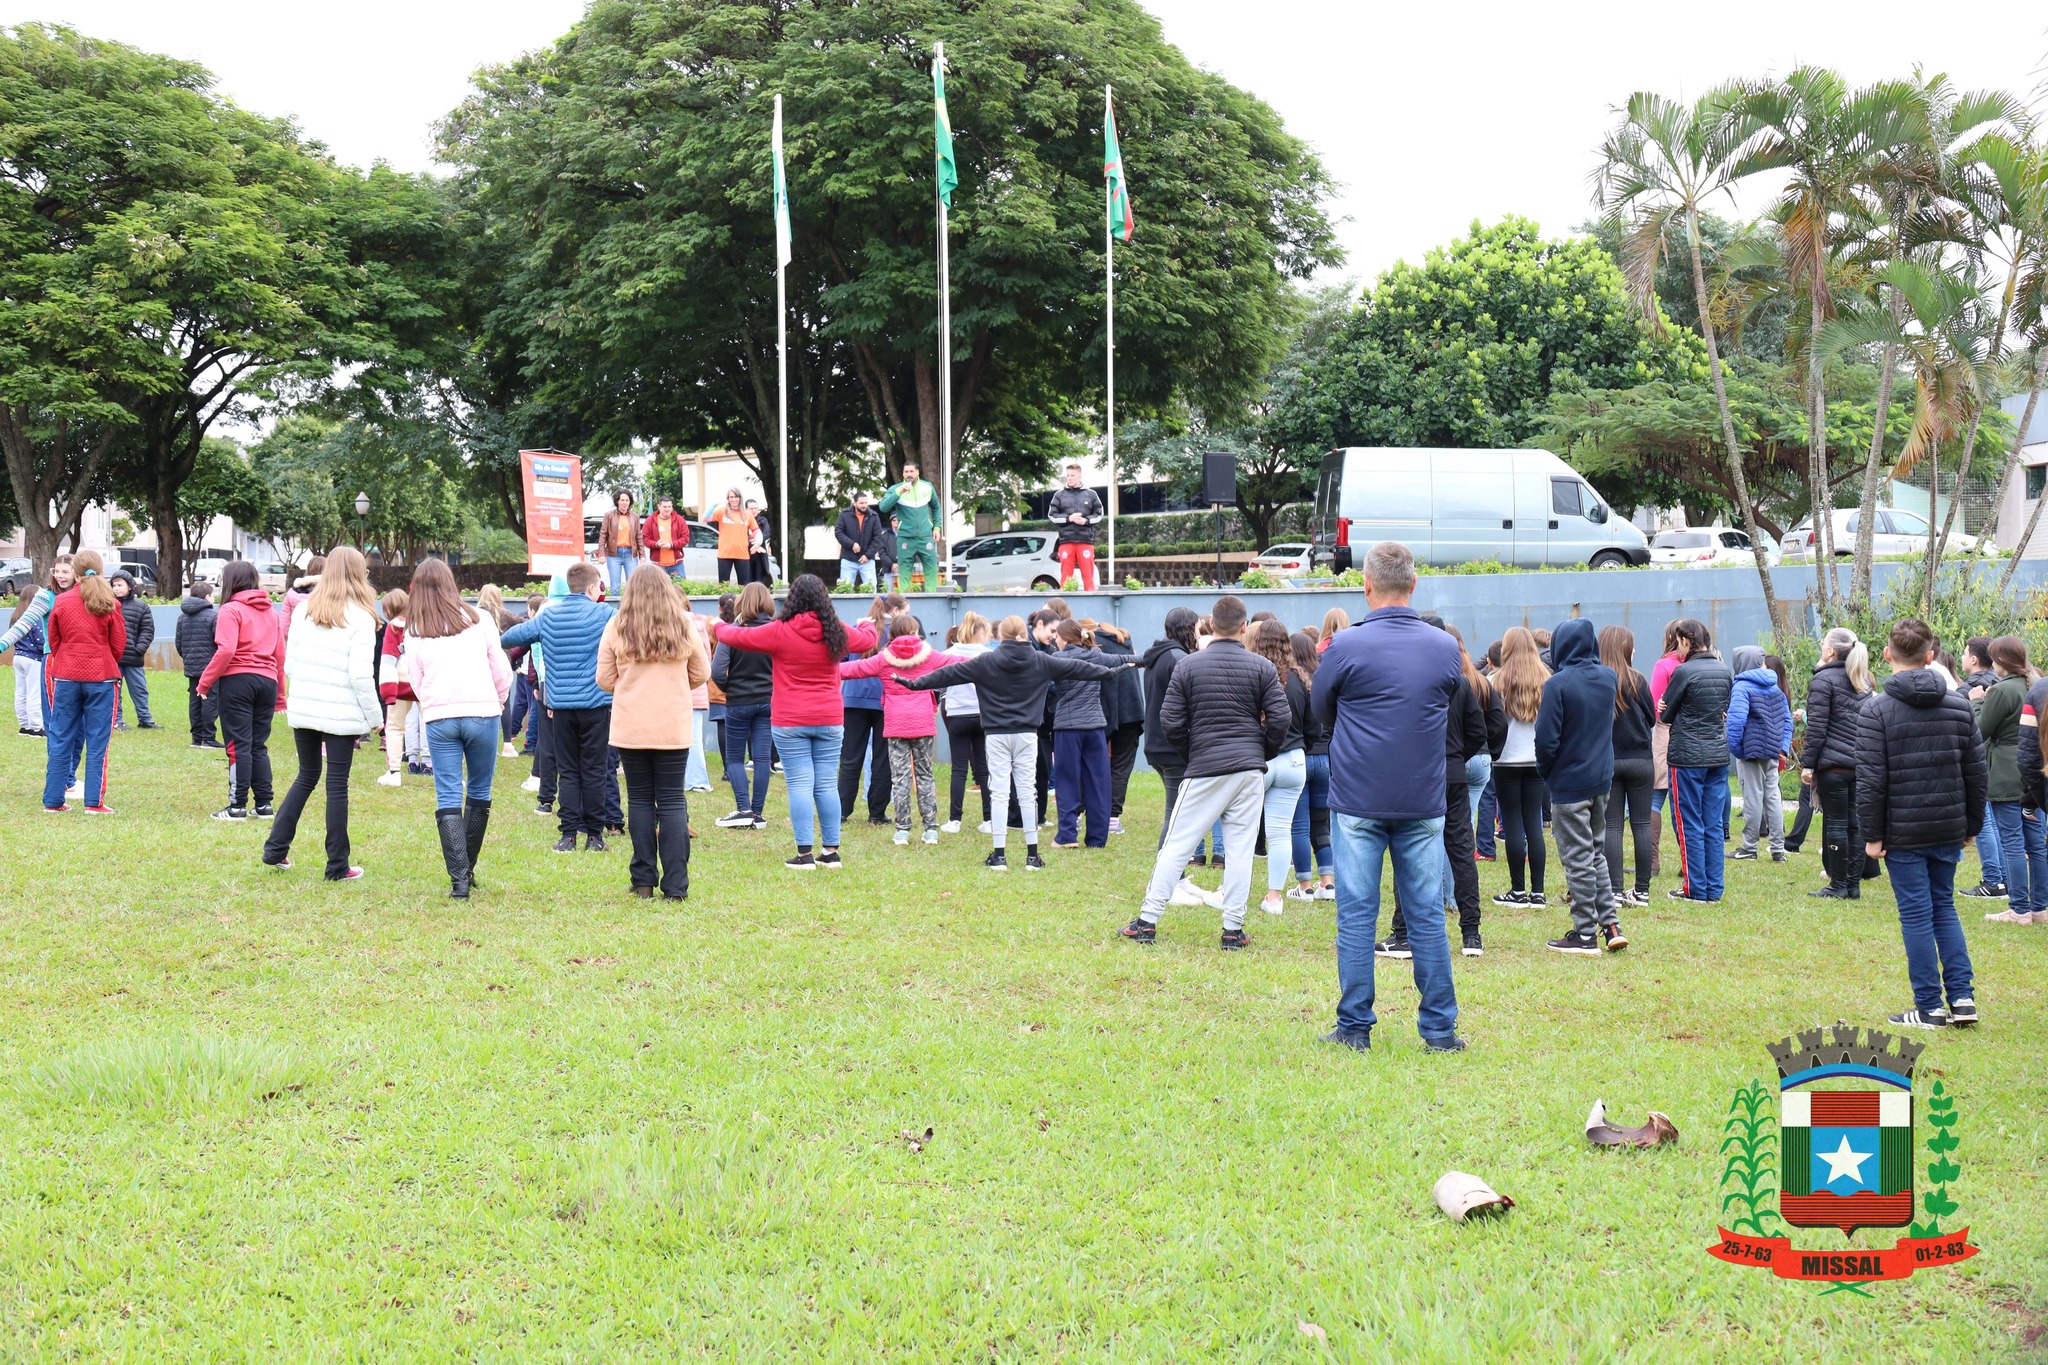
<point x="914" y="503"/>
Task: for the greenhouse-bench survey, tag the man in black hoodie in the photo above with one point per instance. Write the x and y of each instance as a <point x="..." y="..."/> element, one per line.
<point x="141" y="634"/>
<point x="1921" y="778"/>
<point x="1575" y="758"/>
<point x="196" y="616"/>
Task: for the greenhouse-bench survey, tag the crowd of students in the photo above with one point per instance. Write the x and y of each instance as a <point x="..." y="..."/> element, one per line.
<point x="1325" y="750"/>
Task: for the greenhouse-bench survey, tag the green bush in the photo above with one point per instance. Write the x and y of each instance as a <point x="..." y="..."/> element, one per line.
<point x="1258" y="578"/>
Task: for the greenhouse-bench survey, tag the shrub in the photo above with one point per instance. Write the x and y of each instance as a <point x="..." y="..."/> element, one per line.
<point x="1258" y="578"/>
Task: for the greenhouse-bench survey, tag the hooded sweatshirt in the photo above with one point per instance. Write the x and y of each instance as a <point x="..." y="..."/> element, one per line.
<point x="196" y="616"/>
<point x="1575" y="722"/>
<point x="248" y="637"/>
<point x="905" y="714"/>
<point x="1011" y="681"/>
<point x="806" y="671"/>
<point x="1759" y="717"/>
<point x="1158" y="664"/>
<point x="1921" y="775"/>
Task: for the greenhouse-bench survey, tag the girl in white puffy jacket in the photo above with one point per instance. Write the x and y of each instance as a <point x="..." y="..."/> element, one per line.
<point x="330" y="702"/>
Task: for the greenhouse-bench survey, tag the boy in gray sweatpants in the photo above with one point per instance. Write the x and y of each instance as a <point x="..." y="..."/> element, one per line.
<point x="1239" y="801"/>
<point x="1575" y="755"/>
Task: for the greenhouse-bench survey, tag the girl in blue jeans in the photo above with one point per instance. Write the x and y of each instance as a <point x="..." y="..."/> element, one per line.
<point x="458" y="671"/>
<point x="1312" y="812"/>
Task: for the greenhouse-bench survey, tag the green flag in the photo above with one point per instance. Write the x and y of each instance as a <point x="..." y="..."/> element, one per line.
<point x="949" y="174"/>
<point x="1120" y="220"/>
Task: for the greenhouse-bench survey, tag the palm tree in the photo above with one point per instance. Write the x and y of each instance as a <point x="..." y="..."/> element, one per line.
<point x="1658" y="168"/>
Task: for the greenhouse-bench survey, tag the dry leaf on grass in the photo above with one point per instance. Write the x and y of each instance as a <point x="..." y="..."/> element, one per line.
<point x="1311" y="1331"/>
<point x="1601" y="1133"/>
<point x="914" y="1141"/>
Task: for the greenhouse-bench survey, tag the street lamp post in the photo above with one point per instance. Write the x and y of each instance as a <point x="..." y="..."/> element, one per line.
<point x="362" y="522"/>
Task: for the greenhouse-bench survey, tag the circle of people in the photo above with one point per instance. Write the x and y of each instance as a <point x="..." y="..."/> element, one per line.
<point x="1329" y="750"/>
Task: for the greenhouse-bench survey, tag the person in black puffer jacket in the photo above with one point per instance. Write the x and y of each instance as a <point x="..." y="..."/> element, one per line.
<point x="1835" y="698"/>
<point x="1123" y="705"/>
<point x="1696" y="709"/>
<point x="1921" y="785"/>
<point x="134" y="660"/>
<point x="1159" y="662"/>
<point x="194" y="639"/>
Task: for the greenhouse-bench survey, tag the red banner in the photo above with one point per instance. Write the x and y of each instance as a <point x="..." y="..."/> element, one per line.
<point x="553" y="484"/>
<point x="1895" y="1262"/>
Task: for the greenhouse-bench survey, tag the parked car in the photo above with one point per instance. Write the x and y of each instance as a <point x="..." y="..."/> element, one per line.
<point x="1009" y="559"/>
<point x="700" y="556"/>
<point x="207" y="570"/>
<point x="1522" y="507"/>
<point x="271" y="576"/>
<point x="15" y="574"/>
<point x="144" y="576"/>
<point x="1706" y="547"/>
<point x="1291" y="558"/>
<point x="1896" y="533"/>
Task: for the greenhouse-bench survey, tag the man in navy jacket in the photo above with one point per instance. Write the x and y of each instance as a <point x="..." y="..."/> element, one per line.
<point x="1383" y="693"/>
<point x="1575" y="758"/>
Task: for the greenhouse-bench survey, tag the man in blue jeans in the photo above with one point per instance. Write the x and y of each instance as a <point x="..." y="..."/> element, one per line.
<point x="1921" y="778"/>
<point x="1383" y="693"/>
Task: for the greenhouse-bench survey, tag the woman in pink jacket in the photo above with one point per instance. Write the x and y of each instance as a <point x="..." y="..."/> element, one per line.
<point x="909" y="720"/>
<point x="459" y="673"/>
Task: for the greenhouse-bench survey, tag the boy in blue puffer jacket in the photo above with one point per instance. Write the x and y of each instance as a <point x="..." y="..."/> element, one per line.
<point x="1760" y="738"/>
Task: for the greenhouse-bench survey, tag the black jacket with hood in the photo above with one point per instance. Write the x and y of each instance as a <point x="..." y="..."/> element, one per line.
<point x="1159" y="663"/>
<point x="1011" y="681"/>
<point x="135" y="615"/>
<point x="1834" y="716"/>
<point x="1635" y="722"/>
<point x="1696" y="709"/>
<point x="195" y="634"/>
<point x="1921" y="774"/>
<point x="1575" y="723"/>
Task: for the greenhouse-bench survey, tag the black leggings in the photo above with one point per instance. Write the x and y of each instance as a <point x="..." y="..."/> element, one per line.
<point x="964" y="732"/>
<point x="1631" y="790"/>
<point x="658" y="819"/>
<point x="248" y="705"/>
<point x="340" y="752"/>
<point x="1841" y="852"/>
<point x="1521" y="819"/>
<point x="1123" y="757"/>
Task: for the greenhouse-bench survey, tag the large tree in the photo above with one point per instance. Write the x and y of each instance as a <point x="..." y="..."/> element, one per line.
<point x="624" y="172"/>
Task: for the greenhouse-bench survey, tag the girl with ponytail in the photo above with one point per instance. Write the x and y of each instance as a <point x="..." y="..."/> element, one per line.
<point x="80" y="672"/>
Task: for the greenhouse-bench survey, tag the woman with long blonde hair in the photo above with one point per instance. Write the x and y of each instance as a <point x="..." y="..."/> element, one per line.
<point x="650" y="659"/>
<point x="1286" y="775"/>
<point x="461" y="677"/>
<point x="1515" y="780"/>
<point x="331" y="702"/>
<point x="81" y="669"/>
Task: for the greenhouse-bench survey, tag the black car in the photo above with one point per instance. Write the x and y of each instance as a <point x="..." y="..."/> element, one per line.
<point x="16" y="574"/>
<point x="144" y="576"/>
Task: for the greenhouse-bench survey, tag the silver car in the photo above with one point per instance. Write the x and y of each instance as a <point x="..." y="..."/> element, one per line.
<point x="1025" y="560"/>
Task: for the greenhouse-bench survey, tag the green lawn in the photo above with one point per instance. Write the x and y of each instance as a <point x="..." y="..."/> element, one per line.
<point x="252" y="1116"/>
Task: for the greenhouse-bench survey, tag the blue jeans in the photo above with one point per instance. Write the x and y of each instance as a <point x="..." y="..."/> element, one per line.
<point x="1361" y="846"/>
<point x="1478" y="772"/>
<point x="1990" y="846"/>
<point x="620" y="564"/>
<point x="458" y="743"/>
<point x="747" y="732"/>
<point x="1937" y="959"/>
<point x="1486" y="817"/>
<point x="1315" y="795"/>
<point x="852" y="572"/>
<point x="2023" y="844"/>
<point x="77" y="717"/>
<point x="1286" y="778"/>
<point x="1699" y="809"/>
<point x="696" y="772"/>
<point x="136" y="680"/>
<point x="810" y="774"/>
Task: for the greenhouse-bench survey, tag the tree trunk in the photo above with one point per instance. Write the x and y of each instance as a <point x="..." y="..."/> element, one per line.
<point x="1866" y="515"/>
<point x="46" y="474"/>
<point x="1735" y="474"/>
<point x="1933" y="501"/>
<point x="1821" y="496"/>
<point x="170" y="534"/>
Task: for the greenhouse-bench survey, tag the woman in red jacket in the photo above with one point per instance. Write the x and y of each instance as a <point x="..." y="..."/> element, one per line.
<point x="83" y="661"/>
<point x="248" y="671"/>
<point x="804" y="647"/>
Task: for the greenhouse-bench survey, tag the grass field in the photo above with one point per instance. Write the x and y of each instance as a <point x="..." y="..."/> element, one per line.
<point x="252" y="1116"/>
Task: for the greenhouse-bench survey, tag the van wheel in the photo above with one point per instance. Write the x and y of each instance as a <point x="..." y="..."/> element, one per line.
<point x="1045" y="585"/>
<point x="1610" y="559"/>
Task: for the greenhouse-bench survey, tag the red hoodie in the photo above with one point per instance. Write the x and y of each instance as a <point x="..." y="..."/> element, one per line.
<point x="83" y="647"/>
<point x="248" y="637"/>
<point x="806" y="673"/>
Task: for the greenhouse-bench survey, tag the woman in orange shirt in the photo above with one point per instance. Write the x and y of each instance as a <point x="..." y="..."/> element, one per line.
<point x="735" y="530"/>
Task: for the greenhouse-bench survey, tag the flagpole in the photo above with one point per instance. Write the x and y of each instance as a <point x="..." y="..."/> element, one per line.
<point x="945" y="356"/>
<point x="1109" y="335"/>
<point x="789" y="566"/>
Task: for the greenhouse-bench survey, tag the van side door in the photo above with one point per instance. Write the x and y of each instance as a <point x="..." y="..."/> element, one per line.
<point x="1532" y="514"/>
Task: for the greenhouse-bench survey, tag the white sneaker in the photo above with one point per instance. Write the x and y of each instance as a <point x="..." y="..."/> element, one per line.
<point x="508" y="751"/>
<point x="931" y="836"/>
<point x="952" y="827"/>
<point x="390" y="779"/>
<point x="74" y="791"/>
<point x="1295" y="893"/>
<point x="531" y="784"/>
<point x="987" y="827"/>
<point x="1273" y="907"/>
<point x="1326" y="893"/>
<point x="1185" y="892"/>
<point x="902" y="836"/>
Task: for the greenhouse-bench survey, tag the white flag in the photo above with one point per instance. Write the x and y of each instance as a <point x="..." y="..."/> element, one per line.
<point x="782" y="231"/>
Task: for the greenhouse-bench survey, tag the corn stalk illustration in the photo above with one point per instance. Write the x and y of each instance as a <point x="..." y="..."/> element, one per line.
<point x="1750" y="1179"/>
<point x="1941" y="1116"/>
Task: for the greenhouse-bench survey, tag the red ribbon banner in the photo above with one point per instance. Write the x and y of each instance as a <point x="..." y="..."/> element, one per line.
<point x="1895" y="1262"/>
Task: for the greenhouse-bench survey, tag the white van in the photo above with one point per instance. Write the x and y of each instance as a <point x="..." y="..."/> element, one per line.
<point x="1523" y="507"/>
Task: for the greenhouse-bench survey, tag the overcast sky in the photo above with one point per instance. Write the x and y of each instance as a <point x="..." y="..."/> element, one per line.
<point x="1429" y="115"/>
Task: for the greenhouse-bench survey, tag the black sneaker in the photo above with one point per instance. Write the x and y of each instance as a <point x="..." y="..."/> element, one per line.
<point x="1034" y="863"/>
<point x="1233" y="939"/>
<point x="758" y="822"/>
<point x="1451" y="1044"/>
<point x="1357" y="1039"/>
<point x="878" y="819"/>
<point x="1393" y="947"/>
<point x="1936" y="1018"/>
<point x="1779" y="856"/>
<point x="565" y="844"/>
<point x="1743" y="855"/>
<point x="544" y="808"/>
<point x="1830" y="892"/>
<point x="1677" y="893"/>
<point x="1615" y="939"/>
<point x="802" y="862"/>
<point x="265" y="811"/>
<point x="1987" y="891"/>
<point x="1511" y="898"/>
<point x="1580" y="945"/>
<point x="739" y="819"/>
<point x="1963" y="1013"/>
<point x="149" y="725"/>
<point x="616" y="831"/>
<point x="231" y="813"/>
<point x="596" y="844"/>
<point x="829" y="860"/>
<point x="996" y="861"/>
<point x="1473" y="947"/>
<point x="1536" y="898"/>
<point x="1138" y="931"/>
<point x="211" y="744"/>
